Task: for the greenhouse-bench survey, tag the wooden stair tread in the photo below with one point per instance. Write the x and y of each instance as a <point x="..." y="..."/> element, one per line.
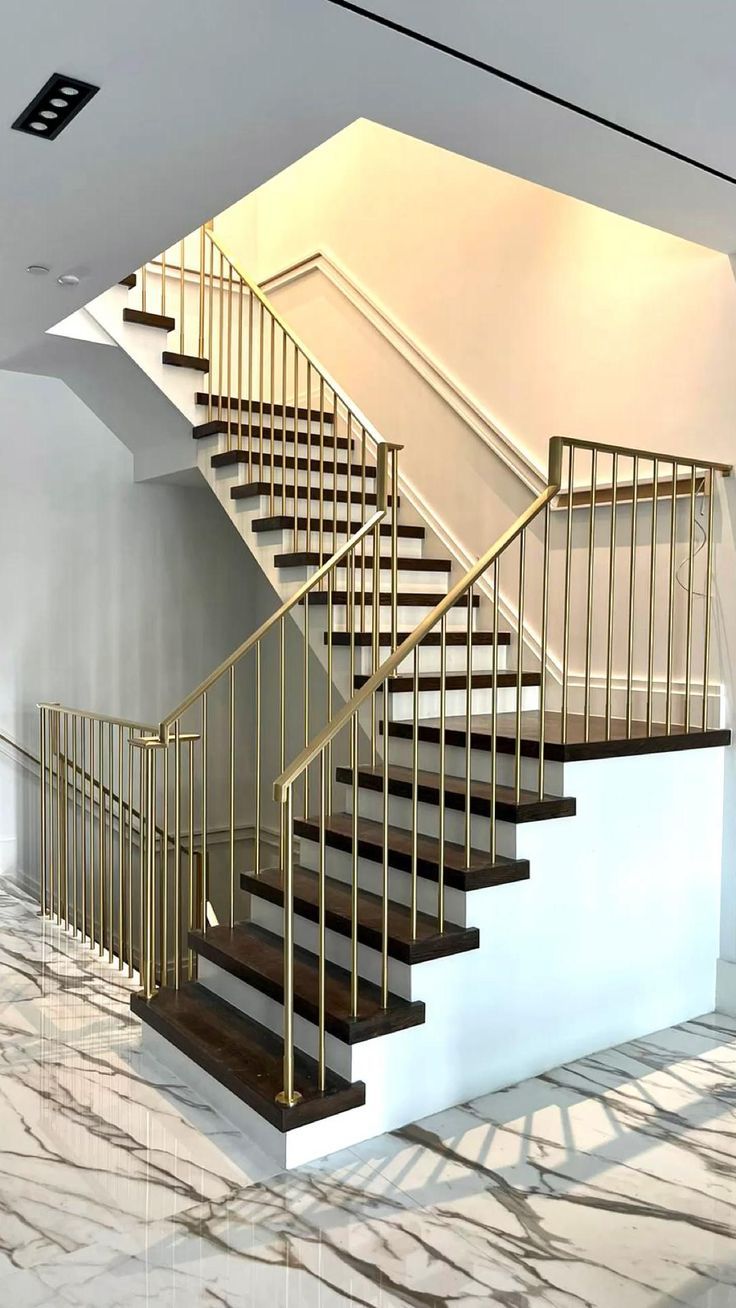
<point x="620" y="743"/>
<point x="484" y="638"/>
<point x="232" y="402"/>
<point x="404" y="598"/>
<point x="428" y="942"/>
<point x="285" y="521"/>
<point x="129" y="281"/>
<point x="219" y="427"/>
<point x="243" y="1056"/>
<point x="255" y="956"/>
<point x="329" y="494"/>
<point x="228" y="458"/>
<point x="528" y="808"/>
<point x="410" y="563"/>
<point x="404" y="682"/>
<point x="144" y="319"/>
<point x="175" y="359"/>
<point x="475" y="875"/>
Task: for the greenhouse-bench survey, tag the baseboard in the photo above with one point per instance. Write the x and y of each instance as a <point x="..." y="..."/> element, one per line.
<point x="726" y="987"/>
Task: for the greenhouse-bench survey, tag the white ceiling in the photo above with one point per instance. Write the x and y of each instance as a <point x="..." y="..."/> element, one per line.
<point x="199" y="104"/>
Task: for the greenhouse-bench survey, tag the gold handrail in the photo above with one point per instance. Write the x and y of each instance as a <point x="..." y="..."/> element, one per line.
<point x="107" y="718"/>
<point x="329" y="381"/>
<point x="390" y="665"/>
<point x="631" y="452"/>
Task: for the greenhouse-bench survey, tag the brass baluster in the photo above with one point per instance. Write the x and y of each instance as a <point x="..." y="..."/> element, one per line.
<point x="566" y="610"/>
<point x="305" y="674"/>
<point x="611" y="593"/>
<point x="322" y="923"/>
<point x="223" y="401"/>
<point x="239" y="407"/>
<point x="102" y="845"/>
<point x="176" y="884"/>
<point x="362" y="519"/>
<point x="384" y="858"/>
<point x="83" y="763"/>
<point x="182" y="329"/>
<point x="231" y="798"/>
<point x="671" y="600"/>
<point x="65" y="820"/>
<point x="494" y="709"/>
<point x="443" y="768"/>
<point x="92" y="841"/>
<point x="258" y="757"/>
<point x="284" y="365"/>
<point x="210" y="338"/>
<point x="519" y="665"/>
<point x="129" y="860"/>
<point x="165" y="868"/>
<point x="110" y="845"/>
<point x="43" y="859"/>
<point x="632" y="583"/>
<point x="354" y="900"/>
<point x="689" y="618"/>
<point x="204" y="809"/>
<point x="414" y="792"/>
<point x="543" y="655"/>
<point x="288" y="1096"/>
<point x="652" y="595"/>
<point x="468" y="719"/>
<point x="251" y="456"/>
<point x="296" y="446"/>
<point x="589" y="607"/>
<point x="322" y="467"/>
<point x="272" y="390"/>
<point x="394" y="548"/>
<point x="190" y="857"/>
<point x="201" y="294"/>
<point x="708" y="598"/>
<point x="330" y="642"/>
<point x="229" y="352"/>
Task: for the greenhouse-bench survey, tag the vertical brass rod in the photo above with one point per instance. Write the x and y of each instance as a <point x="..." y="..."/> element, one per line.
<point x="224" y="402"/>
<point x="210" y="339"/>
<point x="375" y="630"/>
<point x="121" y="834"/>
<point x="129" y="867"/>
<point x="306" y="701"/>
<point x="384" y="851"/>
<point x="354" y="880"/>
<point x="394" y="549"/>
<point x="296" y="447"/>
<point x="203" y="840"/>
<point x="239" y="408"/>
<point x="144" y="272"/>
<point x="282" y="695"/>
<point x="149" y="961"/>
<point x="363" y="439"/>
<point x="566" y="601"/>
<point x="101" y="850"/>
<point x="443" y="768"/>
<point x="272" y="475"/>
<point x="494" y="709"/>
<point x="414" y="789"/>
<point x="284" y="366"/>
<point x="671" y="600"/>
<point x="190" y="859"/>
<point x="288" y="1096"/>
<point x="322" y="466"/>
<point x="110" y="843"/>
<point x="632" y="585"/>
<point x="92" y="839"/>
<point x="330" y="635"/>
<point x="65" y="845"/>
<point x="182" y="332"/>
<point x="708" y="599"/>
<point x="468" y="722"/>
<point x="165" y="871"/>
<point x="350" y="616"/>
<point x="231" y="798"/>
<point x="349" y="457"/>
<point x="75" y="824"/>
<point x="322" y="942"/>
<point x="163" y="283"/>
<point x="589" y="606"/>
<point x="652" y="597"/>
<point x="689" y="618"/>
<point x="43" y="834"/>
<point x="520" y="666"/>
<point x="611" y="594"/>
<point x="258" y="761"/>
<point x="272" y="500"/>
<point x="176" y="882"/>
<point x="142" y="857"/>
<point x="83" y="815"/>
<point x="54" y="784"/>
<point x="201" y="292"/>
<point x="229" y="351"/>
<point x="543" y="655"/>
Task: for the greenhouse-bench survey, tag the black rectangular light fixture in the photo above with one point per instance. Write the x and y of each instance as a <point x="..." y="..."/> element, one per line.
<point x="55" y="105"/>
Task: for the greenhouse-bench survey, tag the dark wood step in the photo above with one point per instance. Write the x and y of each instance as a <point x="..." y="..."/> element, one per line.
<point x="226" y="458"/>
<point x="404" y="599"/>
<point x="243" y="1056"/>
<point x="285" y="521"/>
<point x="528" y="808"/>
<point x="219" y="426"/>
<point x="313" y="558"/>
<point x="145" y="319"/>
<point x="476" y="874"/>
<point x="404" y="683"/>
<point x="202" y="398"/>
<point x="484" y="638"/>
<point x="256" y="957"/>
<point x="428" y="942"/>
<point x="330" y="495"/>
<point x="619" y="742"/>
<point x="176" y="360"/>
<point x="129" y="281"/>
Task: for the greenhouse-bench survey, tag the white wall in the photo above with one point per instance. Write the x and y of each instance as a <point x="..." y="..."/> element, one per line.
<point x="115" y="596"/>
<point x="555" y="316"/>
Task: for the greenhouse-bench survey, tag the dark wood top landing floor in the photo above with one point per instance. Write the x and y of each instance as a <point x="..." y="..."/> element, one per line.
<point x="619" y="743"/>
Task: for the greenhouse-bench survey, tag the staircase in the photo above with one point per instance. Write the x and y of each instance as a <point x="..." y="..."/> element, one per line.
<point x="396" y="934"/>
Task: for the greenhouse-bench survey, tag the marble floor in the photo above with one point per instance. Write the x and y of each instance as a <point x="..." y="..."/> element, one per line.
<point x="609" y="1182"/>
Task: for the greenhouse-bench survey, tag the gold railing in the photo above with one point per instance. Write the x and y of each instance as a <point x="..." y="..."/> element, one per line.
<point x="629" y="524"/>
<point x="134" y="880"/>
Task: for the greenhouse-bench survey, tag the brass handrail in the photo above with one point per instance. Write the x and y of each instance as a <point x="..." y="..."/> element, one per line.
<point x="390" y="665"/>
<point x="631" y="452"/>
<point x="107" y="718"/>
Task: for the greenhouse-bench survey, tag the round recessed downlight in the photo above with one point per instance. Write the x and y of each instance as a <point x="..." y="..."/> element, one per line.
<point x="49" y="113"/>
<point x="39" y="126"/>
<point x="58" y="103"/>
<point x="69" y="90"/>
<point x="68" y="279"/>
<point x="37" y="269"/>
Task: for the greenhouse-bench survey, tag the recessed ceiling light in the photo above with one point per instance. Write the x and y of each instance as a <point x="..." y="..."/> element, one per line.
<point x="68" y="279"/>
<point x="59" y="100"/>
<point x="37" y="269"/>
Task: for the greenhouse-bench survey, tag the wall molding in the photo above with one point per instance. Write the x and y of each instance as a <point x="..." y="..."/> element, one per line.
<point x="443" y="382"/>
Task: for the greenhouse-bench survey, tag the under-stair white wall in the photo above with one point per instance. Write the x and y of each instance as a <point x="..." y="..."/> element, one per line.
<point x="115" y="596"/>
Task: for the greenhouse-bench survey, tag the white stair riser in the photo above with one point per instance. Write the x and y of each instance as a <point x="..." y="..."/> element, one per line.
<point x="408" y="616"/>
<point x="408" y="579"/>
<point x="339" y="864"/>
<point x="304" y="480"/>
<point x="400" y="753"/>
<point x="481" y="701"/>
<point x="234" y="416"/>
<point x="247" y="999"/>
<point x="370" y="805"/>
<point x="430" y="658"/>
<point x="337" y="947"/>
